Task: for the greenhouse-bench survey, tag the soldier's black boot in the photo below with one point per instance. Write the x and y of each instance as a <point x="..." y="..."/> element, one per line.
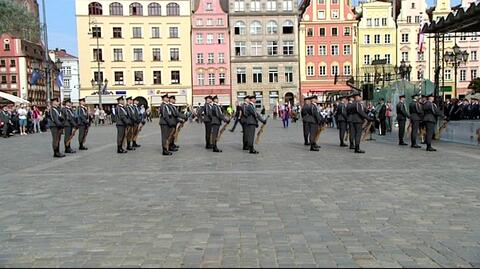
<point x="82" y="147"/>
<point x="209" y="146"/>
<point x="416" y="147"/>
<point x="357" y="150"/>
<point x="253" y="151"/>
<point x="121" y="150"/>
<point x="314" y="147"/>
<point x="245" y="147"/>
<point x="69" y="150"/>
<point x="431" y="149"/>
<point x="57" y="154"/>
<point x="166" y="152"/>
<point x="215" y="148"/>
<point x="306" y="143"/>
<point x="352" y="146"/>
<point x="402" y="143"/>
<point x="135" y="145"/>
<point x="129" y="146"/>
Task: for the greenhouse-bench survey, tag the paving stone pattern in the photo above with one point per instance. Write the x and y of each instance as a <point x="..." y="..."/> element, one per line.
<point x="287" y="207"/>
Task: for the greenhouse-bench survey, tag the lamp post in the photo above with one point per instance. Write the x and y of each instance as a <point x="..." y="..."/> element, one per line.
<point x="101" y="90"/>
<point x="98" y="59"/>
<point x="454" y="59"/>
<point x="58" y="66"/>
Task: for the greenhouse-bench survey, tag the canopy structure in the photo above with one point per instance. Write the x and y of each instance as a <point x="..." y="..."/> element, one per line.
<point x="461" y="21"/>
<point x="13" y="98"/>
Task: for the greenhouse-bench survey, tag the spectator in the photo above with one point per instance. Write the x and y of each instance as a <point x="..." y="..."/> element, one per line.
<point x="22" y="119"/>
<point x="285" y="115"/>
<point x="96" y="115"/>
<point x="101" y="117"/>
<point x="389" y="117"/>
<point x="36" y="118"/>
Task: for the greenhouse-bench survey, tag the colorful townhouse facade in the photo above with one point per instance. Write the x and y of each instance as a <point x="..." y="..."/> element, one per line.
<point x="327" y="46"/>
<point x="211" y="51"/>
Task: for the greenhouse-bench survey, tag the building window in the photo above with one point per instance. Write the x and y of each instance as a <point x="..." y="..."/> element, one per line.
<point x="221" y="39"/>
<point x="420" y="56"/>
<point x="239" y="5"/>
<point x="272" y="27"/>
<point x="118" y="75"/>
<point x="173" y="9"/>
<point x="288" y="27"/>
<point x="116" y="9"/>
<point x="209" y="6"/>
<point x="154" y="9"/>
<point x="241" y="75"/>
<point x="310" y="50"/>
<point x="384" y="21"/>
<point x="288" y="74"/>
<point x="66" y="83"/>
<point x="287" y="5"/>
<point x="405" y="56"/>
<point x="200" y="58"/>
<point x="322" y="50"/>
<point x="157" y="54"/>
<point x="173" y="32"/>
<point x="409" y="19"/>
<point x="67" y="71"/>
<point x="136" y="9"/>
<point x="201" y="79"/>
<point x="463" y="75"/>
<point x="175" y="77"/>
<point x="155" y="32"/>
<point x="117" y="32"/>
<point x="271" y="5"/>
<point x="137" y="32"/>
<point x="376" y="39"/>
<point x="335" y="14"/>
<point x="256" y="48"/>
<point x="199" y="38"/>
<point x="366" y="59"/>
<point x="255" y="5"/>
<point x="13" y="63"/>
<point x="256" y="28"/>
<point x="209" y="22"/>
<point x="388" y="58"/>
<point x="211" y="79"/>
<point x="322" y="32"/>
<point x="346" y="50"/>
<point x="138" y="77"/>
<point x="3" y="63"/>
<point x="240" y="49"/>
<point x="376" y="57"/>
<point x="13" y="80"/>
<point x="310" y="32"/>
<point x="257" y="75"/>
<point x="310" y="71"/>
<point x="347" y="31"/>
<point x="95" y="8"/>
<point x="321" y="14"/>
<point x="211" y="58"/>
<point x="366" y="39"/>
<point x="288" y="48"/>
<point x="473" y="74"/>
<point x="97" y="55"/>
<point x="98" y="76"/>
<point x="473" y="55"/>
<point x="209" y="38"/>
<point x="96" y="32"/>
<point x="335" y="50"/>
<point x="221" y="58"/>
<point x="272" y="74"/>
<point x="137" y="55"/>
<point x="174" y="54"/>
<point x="222" y="78"/>
<point x="369" y="22"/>
<point x="272" y="48"/>
<point x="6" y="47"/>
<point x="240" y="28"/>
<point x="347" y="70"/>
<point x="322" y="70"/>
<point x="404" y="38"/>
<point x="117" y="55"/>
<point x="387" y="39"/>
<point x="4" y="80"/>
<point x="220" y="22"/>
<point x="448" y="74"/>
<point x="157" y="77"/>
<point x="376" y="21"/>
<point x="199" y="22"/>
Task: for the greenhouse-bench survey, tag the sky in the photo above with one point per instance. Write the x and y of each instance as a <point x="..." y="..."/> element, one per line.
<point x="62" y="29"/>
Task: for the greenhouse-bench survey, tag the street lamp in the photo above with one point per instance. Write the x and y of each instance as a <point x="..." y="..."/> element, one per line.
<point x="454" y="59"/>
<point x="102" y="85"/>
<point x="403" y="70"/>
<point x="97" y="35"/>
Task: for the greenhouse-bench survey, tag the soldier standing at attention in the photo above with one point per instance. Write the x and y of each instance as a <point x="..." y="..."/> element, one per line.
<point x="166" y="124"/>
<point x="243" y="121"/>
<point x="133" y="122"/>
<point x="341" y="117"/>
<point x="122" y="122"/>
<point x="138" y="122"/>
<point x="83" y="124"/>
<point x="5" y="119"/>
<point x="207" y="119"/>
<point x="382" y="117"/>
<point x="69" y="124"/>
<point x="306" y="119"/>
<point x="350" y="106"/>
<point x="356" y="112"/>
<point x="252" y="123"/>
<point x="217" y="118"/>
<point x="431" y="112"/>
<point x="315" y="124"/>
<point x="176" y="119"/>
<point x="416" y="115"/>
<point x="402" y="117"/>
<point x="56" y="127"/>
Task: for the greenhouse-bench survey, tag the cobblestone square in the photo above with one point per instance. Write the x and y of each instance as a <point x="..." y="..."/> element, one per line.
<point x="286" y="207"/>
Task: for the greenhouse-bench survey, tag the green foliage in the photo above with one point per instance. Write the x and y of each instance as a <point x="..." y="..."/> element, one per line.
<point x="475" y="85"/>
<point x="17" y="20"/>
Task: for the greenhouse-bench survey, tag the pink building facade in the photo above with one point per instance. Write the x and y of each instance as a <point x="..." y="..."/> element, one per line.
<point x="211" y="51"/>
<point x="328" y="28"/>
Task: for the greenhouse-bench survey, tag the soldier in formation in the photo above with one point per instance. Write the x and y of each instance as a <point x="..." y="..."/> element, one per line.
<point x="312" y="119"/>
<point x="402" y="116"/>
<point x="430" y="117"/>
<point x="83" y="124"/>
<point x="5" y="121"/>
<point x="56" y="119"/>
<point x="122" y="122"/>
<point x="217" y="117"/>
<point x="251" y="123"/>
<point x="69" y="124"/>
<point x="357" y="117"/>
<point x="416" y="115"/>
<point x="341" y="117"/>
<point x="305" y="120"/>
<point x="205" y="113"/>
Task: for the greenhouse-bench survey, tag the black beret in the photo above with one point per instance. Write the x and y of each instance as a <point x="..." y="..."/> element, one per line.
<point x="172" y="97"/>
<point x="165" y="96"/>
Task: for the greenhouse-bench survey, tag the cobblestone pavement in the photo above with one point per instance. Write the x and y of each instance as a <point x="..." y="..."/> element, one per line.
<point x="287" y="207"/>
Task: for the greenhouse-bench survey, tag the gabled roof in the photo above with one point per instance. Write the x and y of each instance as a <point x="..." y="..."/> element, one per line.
<point x="223" y="5"/>
<point x="61" y="53"/>
<point x="466" y="21"/>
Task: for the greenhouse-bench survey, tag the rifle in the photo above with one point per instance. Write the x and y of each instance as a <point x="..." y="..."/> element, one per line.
<point x="86" y="133"/>
<point x="69" y="140"/>
<point x="177" y="131"/>
<point x="438" y="133"/>
<point x="409" y="129"/>
<point x="366" y="131"/>
<point x="223" y="130"/>
<point x="260" y="132"/>
<point x="319" y="132"/>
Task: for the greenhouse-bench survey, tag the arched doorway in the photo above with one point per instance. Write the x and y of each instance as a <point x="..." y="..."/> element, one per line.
<point x="289" y="98"/>
<point x="142" y="101"/>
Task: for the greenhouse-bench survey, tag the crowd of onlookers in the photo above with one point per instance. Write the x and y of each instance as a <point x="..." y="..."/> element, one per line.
<point x="465" y="109"/>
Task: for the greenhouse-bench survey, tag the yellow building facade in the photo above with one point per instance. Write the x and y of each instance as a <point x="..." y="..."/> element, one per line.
<point x="377" y="40"/>
<point x="143" y="50"/>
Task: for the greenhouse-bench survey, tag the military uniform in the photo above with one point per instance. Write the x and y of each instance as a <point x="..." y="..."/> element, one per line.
<point x="167" y="125"/>
<point x="5" y="119"/>
<point x="351" y="141"/>
<point x="243" y="122"/>
<point x="251" y="123"/>
<point x="402" y="117"/>
<point x="131" y="127"/>
<point x="341" y="117"/>
<point x="206" y="113"/>
<point x="305" y="118"/>
<point x="136" y="129"/>
<point x="357" y="116"/>
<point x="56" y="128"/>
<point x="122" y="121"/>
<point x="382" y="118"/>
<point x="416" y="115"/>
<point x="314" y="119"/>
<point x="431" y="112"/>
<point x="177" y="118"/>
<point x="217" y="117"/>
<point x="83" y="125"/>
<point x="69" y="123"/>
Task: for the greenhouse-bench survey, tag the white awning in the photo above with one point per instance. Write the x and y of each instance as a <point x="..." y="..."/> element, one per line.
<point x="13" y="98"/>
<point x="106" y="99"/>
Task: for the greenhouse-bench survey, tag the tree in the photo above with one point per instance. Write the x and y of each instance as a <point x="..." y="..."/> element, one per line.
<point x="475" y="86"/>
<point x="18" y="21"/>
